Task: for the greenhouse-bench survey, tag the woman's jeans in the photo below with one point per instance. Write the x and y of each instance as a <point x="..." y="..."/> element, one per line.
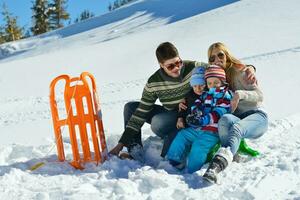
<point x="193" y="145"/>
<point x="232" y="129"/>
<point x="162" y="121"/>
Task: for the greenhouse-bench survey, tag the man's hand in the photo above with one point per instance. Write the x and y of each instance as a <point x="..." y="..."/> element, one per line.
<point x="116" y="150"/>
<point x="234" y="101"/>
<point x="182" y="106"/>
<point x="180" y="123"/>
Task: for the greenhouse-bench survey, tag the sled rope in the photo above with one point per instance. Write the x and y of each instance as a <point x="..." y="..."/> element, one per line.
<point x="42" y="163"/>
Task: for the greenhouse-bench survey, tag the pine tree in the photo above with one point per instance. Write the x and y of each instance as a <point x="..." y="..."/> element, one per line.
<point x="84" y="15"/>
<point x="40" y="17"/>
<point x="110" y="7"/>
<point x="12" y="30"/>
<point x="2" y="35"/>
<point x="118" y="4"/>
<point x="57" y="14"/>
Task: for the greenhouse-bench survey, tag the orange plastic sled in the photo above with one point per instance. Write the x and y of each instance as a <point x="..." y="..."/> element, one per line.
<point x="82" y="108"/>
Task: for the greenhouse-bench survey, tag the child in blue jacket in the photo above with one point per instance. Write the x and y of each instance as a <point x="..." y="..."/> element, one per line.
<point x="204" y="109"/>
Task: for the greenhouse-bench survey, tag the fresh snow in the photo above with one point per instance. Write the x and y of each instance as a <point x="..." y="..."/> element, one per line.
<point x="118" y="48"/>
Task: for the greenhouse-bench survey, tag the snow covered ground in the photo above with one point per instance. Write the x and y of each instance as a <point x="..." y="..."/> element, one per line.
<point x="118" y="49"/>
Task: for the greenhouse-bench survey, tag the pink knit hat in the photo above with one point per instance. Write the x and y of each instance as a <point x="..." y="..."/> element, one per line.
<point x="215" y="71"/>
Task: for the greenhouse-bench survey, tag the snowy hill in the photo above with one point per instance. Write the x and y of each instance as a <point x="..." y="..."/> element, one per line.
<point x="139" y="16"/>
<point x="118" y="49"/>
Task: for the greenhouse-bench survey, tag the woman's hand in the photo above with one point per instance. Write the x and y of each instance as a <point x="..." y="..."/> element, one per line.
<point x="234" y="101"/>
<point x="180" y="123"/>
<point x="250" y="75"/>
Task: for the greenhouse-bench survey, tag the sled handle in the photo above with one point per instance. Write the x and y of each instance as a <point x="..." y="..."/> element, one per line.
<point x="55" y="117"/>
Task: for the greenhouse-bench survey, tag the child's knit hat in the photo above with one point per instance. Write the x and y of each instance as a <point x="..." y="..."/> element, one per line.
<point x="215" y="71"/>
<point x="197" y="77"/>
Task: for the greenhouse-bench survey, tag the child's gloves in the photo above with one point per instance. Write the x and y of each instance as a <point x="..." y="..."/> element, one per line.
<point x="194" y="120"/>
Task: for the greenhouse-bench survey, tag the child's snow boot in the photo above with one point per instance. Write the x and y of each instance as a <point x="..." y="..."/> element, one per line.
<point x="221" y="160"/>
<point x="178" y="165"/>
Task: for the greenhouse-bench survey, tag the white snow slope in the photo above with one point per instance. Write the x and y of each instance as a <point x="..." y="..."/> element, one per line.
<point x="118" y="49"/>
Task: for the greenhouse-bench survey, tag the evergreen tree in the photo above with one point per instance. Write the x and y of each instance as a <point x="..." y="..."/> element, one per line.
<point x="12" y="30"/>
<point x="2" y="35"/>
<point x="118" y="4"/>
<point x="84" y="15"/>
<point x="57" y="14"/>
<point x="27" y="34"/>
<point x="110" y="7"/>
<point x="40" y="17"/>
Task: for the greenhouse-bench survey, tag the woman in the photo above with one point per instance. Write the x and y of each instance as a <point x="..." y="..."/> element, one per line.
<point x="248" y="120"/>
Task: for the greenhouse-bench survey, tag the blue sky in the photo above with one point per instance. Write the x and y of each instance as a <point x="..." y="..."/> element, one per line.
<point x="22" y="9"/>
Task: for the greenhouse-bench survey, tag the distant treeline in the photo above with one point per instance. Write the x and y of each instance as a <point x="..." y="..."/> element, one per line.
<point x="118" y="4"/>
<point x="47" y="15"/>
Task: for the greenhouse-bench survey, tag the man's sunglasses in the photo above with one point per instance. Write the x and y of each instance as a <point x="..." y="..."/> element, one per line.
<point x="171" y="66"/>
<point x="220" y="55"/>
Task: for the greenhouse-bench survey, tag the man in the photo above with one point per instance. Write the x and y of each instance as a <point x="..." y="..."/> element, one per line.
<point x="169" y="84"/>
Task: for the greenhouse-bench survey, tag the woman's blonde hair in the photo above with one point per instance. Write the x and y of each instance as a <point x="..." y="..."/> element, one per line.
<point x="233" y="65"/>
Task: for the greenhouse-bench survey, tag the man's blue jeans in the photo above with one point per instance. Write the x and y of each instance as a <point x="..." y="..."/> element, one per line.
<point x="162" y="121"/>
<point x="232" y="129"/>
